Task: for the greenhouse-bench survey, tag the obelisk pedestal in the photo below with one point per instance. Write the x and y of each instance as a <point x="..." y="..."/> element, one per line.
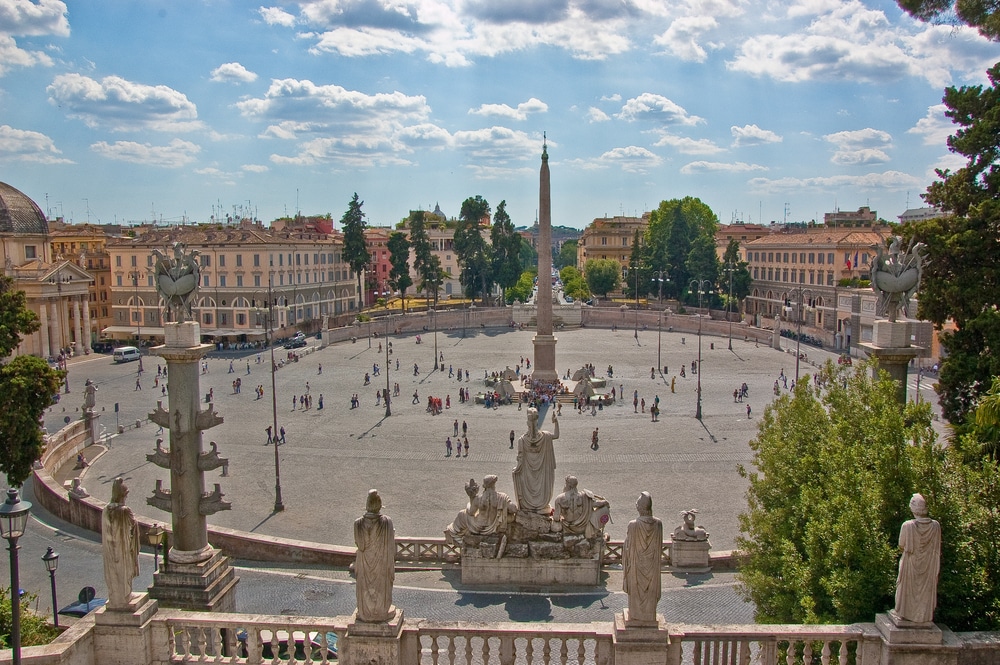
<point x="544" y="342"/>
<point x="890" y="345"/>
<point x="194" y="575"/>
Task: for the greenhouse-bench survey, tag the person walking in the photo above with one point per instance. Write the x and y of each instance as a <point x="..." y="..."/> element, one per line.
<point x="455" y="433"/>
<point x="466" y="441"/>
<point x="748" y="410"/>
<point x="138" y="384"/>
<point x="248" y="367"/>
<point x="593" y="439"/>
<point x="269" y="439"/>
<point x="512" y="439"/>
<point x="465" y="428"/>
<point x="447" y="447"/>
<point x="282" y="432"/>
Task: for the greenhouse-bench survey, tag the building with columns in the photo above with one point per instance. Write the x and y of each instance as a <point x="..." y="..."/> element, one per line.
<point x="86" y="245"/>
<point x="57" y="290"/>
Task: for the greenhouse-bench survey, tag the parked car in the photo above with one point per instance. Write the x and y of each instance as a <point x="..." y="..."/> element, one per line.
<point x="296" y="343"/>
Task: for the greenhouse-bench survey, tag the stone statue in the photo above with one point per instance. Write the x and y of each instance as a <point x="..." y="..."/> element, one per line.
<point x="580" y="511"/>
<point x="896" y="276"/>
<point x="375" y="563"/>
<point x="688" y="531"/>
<point x="916" y="585"/>
<point x="535" y="473"/>
<point x="177" y="280"/>
<point x="496" y="509"/>
<point x="465" y="522"/>
<point x="641" y="562"/>
<point x="89" y="395"/>
<point x="120" y="544"/>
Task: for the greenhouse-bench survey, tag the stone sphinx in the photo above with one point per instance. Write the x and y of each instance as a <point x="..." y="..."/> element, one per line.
<point x="687" y="530"/>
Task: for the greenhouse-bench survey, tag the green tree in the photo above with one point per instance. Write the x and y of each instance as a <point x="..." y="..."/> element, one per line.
<point x="567" y="254"/>
<point x="355" y="249"/>
<point x="673" y="228"/>
<point x="961" y="279"/>
<point x="473" y="253"/>
<point x="602" y="275"/>
<point x="528" y="255"/>
<point x="979" y="14"/>
<point x="703" y="263"/>
<point x="738" y="270"/>
<point x="522" y="291"/>
<point x="423" y="255"/>
<point x="574" y="285"/>
<point x="35" y="630"/>
<point x="27" y="385"/>
<point x="506" y="243"/>
<point x="832" y="479"/>
<point x="399" y="259"/>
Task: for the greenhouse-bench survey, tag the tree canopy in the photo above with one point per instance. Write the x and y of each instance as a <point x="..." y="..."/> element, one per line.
<point x="602" y="275"/>
<point x="735" y="273"/>
<point x="506" y="249"/>
<point x="355" y="249"/>
<point x="27" y="385"/>
<point x="399" y="258"/>
<point x="567" y="254"/>
<point x="471" y="249"/>
<point x="979" y="14"/>
<point x="676" y="228"/>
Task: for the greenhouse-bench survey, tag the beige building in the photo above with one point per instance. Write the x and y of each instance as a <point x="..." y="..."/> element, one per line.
<point x="239" y="264"/>
<point x="610" y="238"/>
<point x="85" y="244"/>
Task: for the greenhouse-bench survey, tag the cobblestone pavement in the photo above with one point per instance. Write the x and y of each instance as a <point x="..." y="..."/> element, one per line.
<point x="334" y="455"/>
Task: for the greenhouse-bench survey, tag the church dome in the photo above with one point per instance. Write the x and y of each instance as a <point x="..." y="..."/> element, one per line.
<point x="19" y="214"/>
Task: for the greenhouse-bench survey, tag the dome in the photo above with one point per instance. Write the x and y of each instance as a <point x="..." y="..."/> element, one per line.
<point x="19" y="214"/>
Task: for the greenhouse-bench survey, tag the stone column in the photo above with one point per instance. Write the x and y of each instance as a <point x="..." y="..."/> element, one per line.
<point x="64" y="321"/>
<point x="544" y="341"/>
<point x="891" y="346"/>
<point x="56" y="328"/>
<point x="195" y="575"/>
<point x="43" y="329"/>
<point x="87" y="348"/>
<point x="643" y="645"/>
<point x="78" y="345"/>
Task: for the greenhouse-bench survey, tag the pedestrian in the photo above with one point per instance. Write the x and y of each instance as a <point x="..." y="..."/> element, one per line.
<point x="231" y="370"/>
<point x="736" y="394"/>
<point x="163" y="391"/>
<point x="282" y="430"/>
<point x="268" y="430"/>
<point x="416" y="397"/>
<point x="248" y="367"/>
<point x="466" y="441"/>
<point x="593" y="439"/>
<point x="307" y="387"/>
<point x="643" y="404"/>
<point x="320" y="370"/>
<point x="635" y="403"/>
<point x="320" y="402"/>
<point x="465" y="428"/>
<point x="748" y="410"/>
<point x="295" y="402"/>
<point x="447" y="447"/>
<point x="138" y="384"/>
<point x="456" y="427"/>
<point x="512" y="439"/>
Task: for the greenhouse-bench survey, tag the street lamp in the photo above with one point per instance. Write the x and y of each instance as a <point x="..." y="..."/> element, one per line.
<point x="388" y="412"/>
<point x="661" y="277"/>
<point x="134" y="276"/>
<point x="659" y="338"/>
<point x="730" y="268"/>
<point x="798" y="328"/>
<point x="700" y="286"/>
<point x="13" y="520"/>
<point x="268" y="335"/>
<point x="154" y="536"/>
<point x="51" y="559"/>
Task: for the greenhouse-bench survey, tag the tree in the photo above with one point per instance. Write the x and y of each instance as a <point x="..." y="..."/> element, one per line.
<point x="574" y="285"/>
<point x="979" y="14"/>
<point x="567" y="254"/>
<point x="833" y="474"/>
<point x="355" y="249"/>
<point x="523" y="289"/>
<point x="473" y="253"/>
<point x="506" y="244"/>
<point x="602" y="275"/>
<point x="35" y="629"/>
<point x="737" y="269"/>
<point x="528" y="256"/>
<point x="636" y="281"/>
<point x="27" y="385"/>
<point x="673" y="228"/>
<point x="703" y="262"/>
<point x="961" y="279"/>
<point x="399" y="258"/>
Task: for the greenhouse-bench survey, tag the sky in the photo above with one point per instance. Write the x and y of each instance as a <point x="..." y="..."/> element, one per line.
<point x="125" y="111"/>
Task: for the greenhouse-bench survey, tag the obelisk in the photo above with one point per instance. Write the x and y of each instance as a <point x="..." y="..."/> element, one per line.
<point x="544" y="342"/>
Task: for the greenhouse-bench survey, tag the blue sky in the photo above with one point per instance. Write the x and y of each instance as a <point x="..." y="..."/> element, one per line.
<point x="124" y="111"/>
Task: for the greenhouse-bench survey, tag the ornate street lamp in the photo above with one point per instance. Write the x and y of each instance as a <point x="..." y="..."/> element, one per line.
<point x="51" y="559"/>
<point x="154" y="536"/>
<point x="13" y="520"/>
<point x="268" y="314"/>
<point x="699" y="287"/>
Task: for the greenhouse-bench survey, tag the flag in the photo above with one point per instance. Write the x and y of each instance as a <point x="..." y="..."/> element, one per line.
<point x="856" y="259"/>
<point x="848" y="263"/>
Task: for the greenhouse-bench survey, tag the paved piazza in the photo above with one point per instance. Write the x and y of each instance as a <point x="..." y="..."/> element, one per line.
<point x="333" y="456"/>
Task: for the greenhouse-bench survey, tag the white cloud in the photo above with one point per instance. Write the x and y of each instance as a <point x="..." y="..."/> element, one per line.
<point x="173" y="155"/>
<point x="26" y="146"/>
<point x="631" y="159"/>
<point x="38" y="18"/>
<point x="611" y="98"/>
<point x="122" y="105"/>
<point x="862" y="146"/>
<point x="277" y="16"/>
<point x="595" y="114"/>
<point x="750" y="135"/>
<point x="254" y="168"/>
<point x="233" y="72"/>
<point x="497" y="144"/>
<point x="650" y="106"/>
<point x="688" y="146"/>
<point x="935" y="126"/>
<point x="489" y="172"/>
<point x="720" y="167"/>
<point x="522" y="111"/>
<point x="681" y="38"/>
<point x="888" y="180"/>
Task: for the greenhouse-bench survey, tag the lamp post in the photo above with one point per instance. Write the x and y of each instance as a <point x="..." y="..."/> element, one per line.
<point x="388" y="412"/>
<point x="661" y="277"/>
<point x="730" y="268"/>
<point x="134" y="276"/>
<point x="699" y="287"/>
<point x="13" y="520"/>
<point x="798" y="328"/>
<point x="154" y="536"/>
<point x="268" y="335"/>
<point x="433" y="313"/>
<point x="51" y="560"/>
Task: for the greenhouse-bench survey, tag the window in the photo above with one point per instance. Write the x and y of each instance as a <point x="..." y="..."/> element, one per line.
<point x="256" y="280"/>
<point x="256" y="260"/>
<point x="770" y="257"/>
<point x="604" y="240"/>
<point x="118" y="262"/>
<point x="829" y="278"/>
<point x="802" y="257"/>
<point x="624" y="242"/>
<point x="241" y="319"/>
<point x="222" y="280"/>
<point x="812" y="257"/>
<point x="207" y="318"/>
<point x="239" y="280"/>
<point x="149" y="261"/>
<point x="205" y="280"/>
<point x="222" y="319"/>
<point x="864" y="259"/>
<point x="206" y="260"/>
<point x="134" y="261"/>
<point x="812" y="277"/>
<point x="316" y="259"/>
<point x="819" y="258"/>
<point x="149" y="280"/>
<point x="802" y="277"/>
<point x="281" y="279"/>
<point x="239" y="260"/>
<point x="281" y="260"/>
<point x="794" y="257"/>
<point x="448" y="269"/>
<point x="298" y="259"/>
<point x="847" y="257"/>
<point x="785" y="260"/>
<point x="119" y="278"/>
<point x="784" y="275"/>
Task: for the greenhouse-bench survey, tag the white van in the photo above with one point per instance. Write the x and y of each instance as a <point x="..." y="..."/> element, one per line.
<point x="126" y="354"/>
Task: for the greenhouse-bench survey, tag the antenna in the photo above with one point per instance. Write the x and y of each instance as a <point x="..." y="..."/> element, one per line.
<point x="786" y="212"/>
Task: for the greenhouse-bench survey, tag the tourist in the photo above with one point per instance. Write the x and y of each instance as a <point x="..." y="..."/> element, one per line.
<point x="456" y="427"/>
<point x="465" y="428"/>
<point x="320" y="402"/>
<point x="416" y="397"/>
<point x="466" y="442"/>
<point x="512" y="439"/>
<point x="281" y="431"/>
<point x="138" y="385"/>
<point x="593" y="439"/>
<point x="748" y="410"/>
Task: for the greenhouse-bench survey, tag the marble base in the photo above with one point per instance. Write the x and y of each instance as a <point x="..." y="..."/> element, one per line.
<point x="531" y="573"/>
<point x="206" y="586"/>
<point x="373" y="643"/>
<point x="124" y="635"/>
<point x="690" y="556"/>
<point x="896" y="630"/>
<point x="543" y="367"/>
<point x="640" y="642"/>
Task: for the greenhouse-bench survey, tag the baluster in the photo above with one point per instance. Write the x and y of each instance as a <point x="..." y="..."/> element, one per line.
<point x="581" y="652"/>
<point x="186" y="642"/>
<point x="229" y="638"/>
<point x="434" y="650"/>
<point x="824" y="657"/>
<point x="807" y="652"/>
<point x="697" y="652"/>
<point x="745" y="647"/>
<point x="275" y="647"/>
<point x="843" y="652"/>
<point x="507" y="649"/>
<point x="725" y="647"/>
<point x="452" y="639"/>
<point x="488" y="650"/>
<point x="468" y="650"/>
<point x="563" y="650"/>
<point x="547" y="652"/>
<point x="529" y="651"/>
<point x="790" y="654"/>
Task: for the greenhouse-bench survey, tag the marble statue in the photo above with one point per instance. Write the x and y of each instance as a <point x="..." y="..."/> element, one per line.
<point x="896" y="275"/>
<point x="177" y="280"/>
<point x="89" y="395"/>
<point x="579" y="512"/>
<point x="641" y="562"/>
<point x="916" y="585"/>
<point x="535" y="473"/>
<point x="120" y="545"/>
<point x="375" y="563"/>
<point x="466" y="521"/>
<point x="496" y="510"/>
<point x="688" y="531"/>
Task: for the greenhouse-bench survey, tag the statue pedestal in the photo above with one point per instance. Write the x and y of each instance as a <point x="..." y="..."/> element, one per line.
<point x="124" y="636"/>
<point x="908" y="643"/>
<point x="367" y="643"/>
<point x="529" y="572"/>
<point x="891" y="347"/>
<point x="690" y="556"/>
<point x="543" y="366"/>
<point x="642" y="643"/>
<point x="207" y="586"/>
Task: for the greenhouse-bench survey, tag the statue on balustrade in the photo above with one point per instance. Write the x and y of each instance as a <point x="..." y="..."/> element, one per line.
<point x="688" y="531"/>
<point x="535" y="473"/>
<point x="580" y="512"/>
<point x="375" y="562"/>
<point x="916" y="584"/>
<point x="89" y="396"/>
<point x="120" y="546"/>
<point x="641" y="562"/>
<point x="895" y="275"/>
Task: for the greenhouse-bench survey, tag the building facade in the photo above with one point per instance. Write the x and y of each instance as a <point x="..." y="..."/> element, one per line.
<point x="610" y="238"/>
<point x="86" y="245"/>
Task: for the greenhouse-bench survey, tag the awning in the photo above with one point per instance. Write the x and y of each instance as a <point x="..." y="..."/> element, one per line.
<point x="131" y="330"/>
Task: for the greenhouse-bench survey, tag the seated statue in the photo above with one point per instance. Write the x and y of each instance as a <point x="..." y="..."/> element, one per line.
<point x="687" y="530"/>
<point x="484" y="515"/>
<point x="579" y="511"/>
<point x="465" y="522"/>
